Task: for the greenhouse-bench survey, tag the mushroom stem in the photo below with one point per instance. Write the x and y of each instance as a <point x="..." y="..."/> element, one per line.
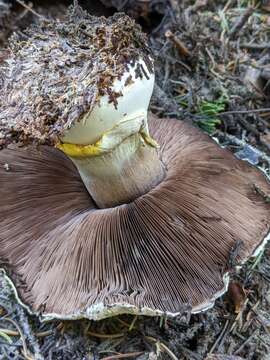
<point x="120" y="176"/>
<point x="122" y="165"/>
<point x="111" y="147"/>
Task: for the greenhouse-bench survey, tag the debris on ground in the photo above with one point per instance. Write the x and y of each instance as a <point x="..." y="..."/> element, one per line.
<point x="212" y="69"/>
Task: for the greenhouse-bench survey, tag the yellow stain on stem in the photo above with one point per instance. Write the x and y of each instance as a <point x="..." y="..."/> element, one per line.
<point x="82" y="151"/>
<point x="74" y="150"/>
<point x="149" y="141"/>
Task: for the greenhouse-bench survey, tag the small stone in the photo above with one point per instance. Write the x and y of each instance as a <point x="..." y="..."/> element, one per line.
<point x="6" y="167"/>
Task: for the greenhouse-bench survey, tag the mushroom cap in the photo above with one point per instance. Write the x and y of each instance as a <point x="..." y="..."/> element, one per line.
<point x="168" y="248"/>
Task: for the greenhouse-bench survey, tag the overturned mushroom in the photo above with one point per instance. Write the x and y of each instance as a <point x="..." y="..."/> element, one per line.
<point x="100" y="214"/>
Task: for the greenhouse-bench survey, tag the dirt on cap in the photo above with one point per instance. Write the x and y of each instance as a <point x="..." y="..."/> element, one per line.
<point x="56" y="72"/>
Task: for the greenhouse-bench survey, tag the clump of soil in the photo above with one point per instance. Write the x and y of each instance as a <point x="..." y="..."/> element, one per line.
<point x="63" y="68"/>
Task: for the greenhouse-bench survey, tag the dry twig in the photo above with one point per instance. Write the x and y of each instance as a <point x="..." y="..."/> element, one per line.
<point x="178" y="43"/>
<point x="29" y="8"/>
<point x="240" y="22"/>
<point x="123" y="356"/>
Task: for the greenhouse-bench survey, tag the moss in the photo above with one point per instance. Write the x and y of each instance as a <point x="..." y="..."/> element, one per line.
<point x="209" y="112"/>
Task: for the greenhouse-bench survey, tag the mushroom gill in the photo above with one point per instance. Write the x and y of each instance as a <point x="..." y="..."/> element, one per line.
<point x="102" y="213"/>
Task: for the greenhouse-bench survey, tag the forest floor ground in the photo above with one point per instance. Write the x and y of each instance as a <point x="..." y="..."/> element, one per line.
<point x="212" y="66"/>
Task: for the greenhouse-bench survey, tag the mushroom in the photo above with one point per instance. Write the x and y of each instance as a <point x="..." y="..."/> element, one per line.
<point x="105" y="210"/>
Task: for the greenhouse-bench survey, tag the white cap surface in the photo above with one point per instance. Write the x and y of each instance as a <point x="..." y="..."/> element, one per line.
<point x="133" y="103"/>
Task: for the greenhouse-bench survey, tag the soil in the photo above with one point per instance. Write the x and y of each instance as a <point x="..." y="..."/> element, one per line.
<point x="212" y="69"/>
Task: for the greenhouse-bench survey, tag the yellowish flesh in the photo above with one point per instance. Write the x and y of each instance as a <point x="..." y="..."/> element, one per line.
<point x="109" y="140"/>
<point x="81" y="151"/>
